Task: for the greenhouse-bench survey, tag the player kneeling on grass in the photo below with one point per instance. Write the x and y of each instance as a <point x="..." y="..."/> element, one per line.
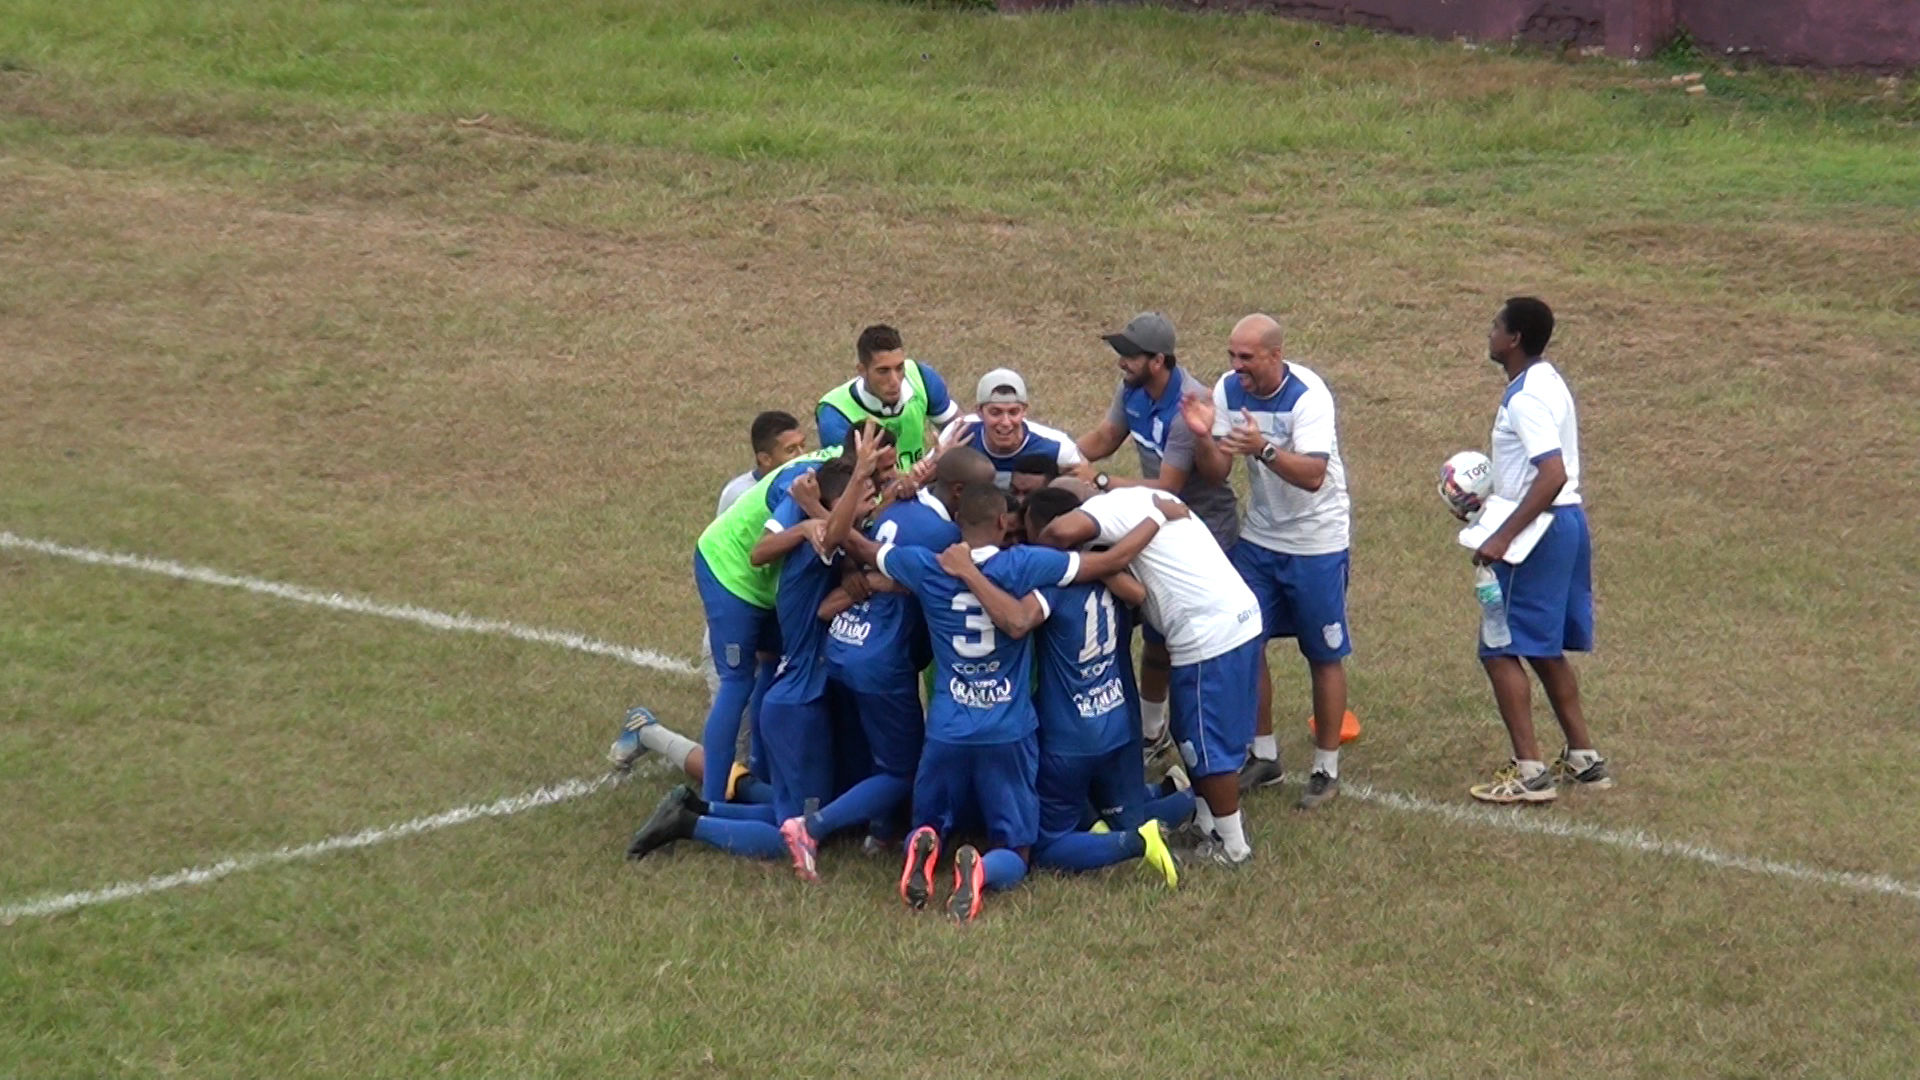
<point x="795" y="725"/>
<point x="1211" y="621"/>
<point x="1549" y="594"/>
<point x="1089" y="720"/>
<point x="982" y="754"/>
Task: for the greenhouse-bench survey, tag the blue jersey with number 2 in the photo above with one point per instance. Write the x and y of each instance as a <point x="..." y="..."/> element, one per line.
<point x="1082" y="699"/>
<point x="981" y="676"/>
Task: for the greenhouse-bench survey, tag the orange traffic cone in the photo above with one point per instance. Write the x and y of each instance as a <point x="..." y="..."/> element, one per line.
<point x="1349" y="727"/>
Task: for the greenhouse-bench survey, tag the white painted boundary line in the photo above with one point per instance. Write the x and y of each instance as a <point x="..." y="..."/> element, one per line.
<point x="437" y="620"/>
<point x="202" y="875"/>
<point x="1516" y="821"/>
<point x="1534" y="821"/>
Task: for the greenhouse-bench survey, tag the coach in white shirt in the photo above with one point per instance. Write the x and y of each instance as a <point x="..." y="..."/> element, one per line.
<point x="1549" y="594"/>
<point x="1293" y="544"/>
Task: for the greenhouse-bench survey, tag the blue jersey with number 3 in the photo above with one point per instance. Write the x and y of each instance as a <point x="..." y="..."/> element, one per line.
<point x="981" y="677"/>
<point x="1084" y="672"/>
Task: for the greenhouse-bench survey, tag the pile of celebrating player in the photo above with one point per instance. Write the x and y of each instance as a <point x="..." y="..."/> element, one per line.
<point x="927" y="638"/>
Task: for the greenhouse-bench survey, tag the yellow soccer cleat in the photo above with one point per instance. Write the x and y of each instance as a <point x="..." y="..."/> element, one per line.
<point x="733" y="778"/>
<point x="1158" y="855"/>
<point x="1100" y="827"/>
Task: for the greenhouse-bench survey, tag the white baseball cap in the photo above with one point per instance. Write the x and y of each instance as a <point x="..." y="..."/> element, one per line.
<point x="1001" y="385"/>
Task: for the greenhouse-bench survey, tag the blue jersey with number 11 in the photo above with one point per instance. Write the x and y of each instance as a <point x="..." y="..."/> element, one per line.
<point x="981" y="676"/>
<point x="1085" y="671"/>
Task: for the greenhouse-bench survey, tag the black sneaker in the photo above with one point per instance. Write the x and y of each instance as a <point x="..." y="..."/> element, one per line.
<point x="1259" y="772"/>
<point x="672" y="820"/>
<point x="1594" y="777"/>
<point x="1320" y="788"/>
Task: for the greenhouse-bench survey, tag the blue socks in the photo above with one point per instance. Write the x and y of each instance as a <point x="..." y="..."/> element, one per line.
<point x="1082" y="851"/>
<point x="761" y="811"/>
<point x="753" y="839"/>
<point x="1171" y="809"/>
<point x="1005" y="868"/>
<point x="863" y="802"/>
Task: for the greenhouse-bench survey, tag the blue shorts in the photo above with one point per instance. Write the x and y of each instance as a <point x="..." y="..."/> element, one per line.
<point x="992" y="783"/>
<point x="1550" y="596"/>
<point x="1303" y="597"/>
<point x="893" y="724"/>
<point x="797" y="740"/>
<point x="736" y="630"/>
<point x="1211" y="706"/>
<point x="1077" y="787"/>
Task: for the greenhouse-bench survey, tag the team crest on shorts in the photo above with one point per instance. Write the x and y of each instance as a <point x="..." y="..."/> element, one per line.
<point x="1333" y="632"/>
<point x="733" y="654"/>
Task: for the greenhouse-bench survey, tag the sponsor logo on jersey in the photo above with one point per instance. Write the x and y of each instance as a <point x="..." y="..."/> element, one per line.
<point x="980" y="693"/>
<point x="849" y="628"/>
<point x="1101" y="700"/>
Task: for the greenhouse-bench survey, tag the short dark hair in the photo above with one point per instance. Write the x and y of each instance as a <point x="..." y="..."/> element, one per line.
<point x="877" y="338"/>
<point x="833" y="477"/>
<point x="1047" y="465"/>
<point x="1532" y="319"/>
<point x="886" y="438"/>
<point x="768" y="426"/>
<point x="980" y="504"/>
<point x="960" y="464"/>
<point x="1172" y="361"/>
<point x="1045" y="505"/>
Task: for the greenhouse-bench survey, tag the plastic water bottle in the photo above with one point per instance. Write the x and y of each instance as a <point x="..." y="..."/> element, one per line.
<point x="1493" y="609"/>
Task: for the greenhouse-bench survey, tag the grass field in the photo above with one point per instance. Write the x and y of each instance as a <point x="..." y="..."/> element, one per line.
<point x="467" y="307"/>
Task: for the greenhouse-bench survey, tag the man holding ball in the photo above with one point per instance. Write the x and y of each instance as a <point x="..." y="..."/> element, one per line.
<point x="1549" y="594"/>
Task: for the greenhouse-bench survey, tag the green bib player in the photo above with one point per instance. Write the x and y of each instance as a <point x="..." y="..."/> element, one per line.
<point x="901" y="395"/>
<point x="737" y="598"/>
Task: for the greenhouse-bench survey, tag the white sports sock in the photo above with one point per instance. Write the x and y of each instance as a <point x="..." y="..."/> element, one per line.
<point x="1582" y="759"/>
<point x="1153" y="720"/>
<point x="1203" y="817"/>
<point x="1232" y="836"/>
<point x="1266" y="748"/>
<point x="1530" y="769"/>
<point x="1327" y="761"/>
<point x="668" y="744"/>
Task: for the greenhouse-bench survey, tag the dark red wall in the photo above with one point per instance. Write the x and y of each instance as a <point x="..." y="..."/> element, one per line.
<point x="1821" y="33"/>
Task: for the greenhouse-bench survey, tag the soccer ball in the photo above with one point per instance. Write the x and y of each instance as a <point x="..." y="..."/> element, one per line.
<point x="1465" y="482"/>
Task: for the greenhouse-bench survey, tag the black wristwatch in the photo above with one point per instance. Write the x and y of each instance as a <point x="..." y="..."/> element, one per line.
<point x="1268" y="453"/>
<point x="1102" y="481"/>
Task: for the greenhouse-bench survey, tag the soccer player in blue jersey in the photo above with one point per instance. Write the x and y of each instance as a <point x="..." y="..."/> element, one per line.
<point x="981" y="753"/>
<point x="1000" y="428"/>
<point x="876" y="648"/>
<point x="795" y="725"/>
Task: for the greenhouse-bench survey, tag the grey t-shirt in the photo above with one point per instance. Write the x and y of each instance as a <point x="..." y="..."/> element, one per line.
<point x="1161" y="435"/>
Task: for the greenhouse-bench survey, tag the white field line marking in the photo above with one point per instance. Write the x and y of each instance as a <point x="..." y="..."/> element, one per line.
<point x="437" y="620"/>
<point x="1535" y="821"/>
<point x="202" y="875"/>
<point x="1518" y="821"/>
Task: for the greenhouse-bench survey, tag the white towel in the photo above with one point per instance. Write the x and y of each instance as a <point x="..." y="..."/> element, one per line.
<point x="1494" y="513"/>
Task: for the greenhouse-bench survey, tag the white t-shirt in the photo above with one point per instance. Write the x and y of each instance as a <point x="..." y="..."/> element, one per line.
<point x="735" y="488"/>
<point x="1297" y="417"/>
<point x="1536" y="421"/>
<point x="1194" y="595"/>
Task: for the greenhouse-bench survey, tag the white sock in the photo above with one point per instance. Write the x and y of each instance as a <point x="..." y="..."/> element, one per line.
<point x="1153" y="720"/>
<point x="1232" y="836"/>
<point x="1203" y="817"/>
<point x="1327" y="761"/>
<point x="668" y="744"/>
<point x="1582" y="759"/>
<point x="1530" y="769"/>
<point x="1266" y="748"/>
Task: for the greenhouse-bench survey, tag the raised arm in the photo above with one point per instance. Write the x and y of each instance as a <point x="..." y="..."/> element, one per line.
<point x="1102" y="441"/>
<point x="1209" y="461"/>
<point x="1015" y="617"/>
<point x="774" y="546"/>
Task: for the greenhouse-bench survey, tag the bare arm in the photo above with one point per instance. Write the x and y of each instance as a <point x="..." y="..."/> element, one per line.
<point x="1015" y="618"/>
<point x="1102" y="441"/>
<point x="1126" y="588"/>
<point x="1070" y="530"/>
<point x="862" y="549"/>
<point x="1099" y="564"/>
<point x="1552" y="476"/>
<point x="774" y="546"/>
<point x="1171" y="480"/>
